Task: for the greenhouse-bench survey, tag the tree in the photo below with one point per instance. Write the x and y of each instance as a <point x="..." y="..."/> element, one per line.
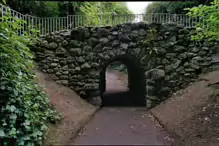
<point x="157" y="7"/>
<point x="94" y="13"/>
<point x="70" y="8"/>
<point x="35" y="8"/>
<point x="151" y="12"/>
<point x="102" y="13"/>
<point x="173" y="7"/>
<point x="207" y="27"/>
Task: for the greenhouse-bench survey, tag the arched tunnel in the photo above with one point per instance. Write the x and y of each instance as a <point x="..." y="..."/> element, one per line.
<point x="135" y="96"/>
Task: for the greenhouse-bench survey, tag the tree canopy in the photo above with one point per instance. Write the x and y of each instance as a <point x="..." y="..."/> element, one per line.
<point x="102" y="12"/>
<point x="94" y="13"/>
<point x="173" y="7"/>
<point x="59" y="8"/>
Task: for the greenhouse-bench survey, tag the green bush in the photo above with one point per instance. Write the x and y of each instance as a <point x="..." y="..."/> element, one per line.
<point x="106" y="13"/>
<point x="24" y="107"/>
<point x="208" y="25"/>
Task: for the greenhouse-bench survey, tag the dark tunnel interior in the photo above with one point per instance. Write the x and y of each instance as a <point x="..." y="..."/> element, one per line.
<point x="135" y="96"/>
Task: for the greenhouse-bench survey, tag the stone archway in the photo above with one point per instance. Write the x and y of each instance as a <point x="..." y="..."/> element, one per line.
<point x="136" y="83"/>
<point x="166" y="53"/>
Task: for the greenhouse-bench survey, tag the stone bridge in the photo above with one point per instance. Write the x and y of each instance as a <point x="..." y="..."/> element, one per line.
<point x="160" y="59"/>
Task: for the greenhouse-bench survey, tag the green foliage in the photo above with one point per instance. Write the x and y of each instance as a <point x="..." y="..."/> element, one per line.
<point x="24" y="106"/>
<point x="166" y="7"/>
<point x="171" y="7"/>
<point x="3" y="1"/>
<point x="92" y="12"/>
<point x="152" y="35"/>
<point x="178" y="7"/>
<point x="35" y="8"/>
<point x="157" y="7"/>
<point x="96" y="13"/>
<point x="208" y="25"/>
<point x="104" y="13"/>
<point x="72" y="8"/>
<point x="47" y="9"/>
<point x="108" y="7"/>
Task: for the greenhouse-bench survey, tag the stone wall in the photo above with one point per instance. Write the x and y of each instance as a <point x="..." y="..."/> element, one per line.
<point x="167" y="54"/>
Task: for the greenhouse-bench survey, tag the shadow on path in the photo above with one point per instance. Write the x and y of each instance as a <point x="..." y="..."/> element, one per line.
<point x="114" y="126"/>
<point x="121" y="125"/>
<point x="122" y="99"/>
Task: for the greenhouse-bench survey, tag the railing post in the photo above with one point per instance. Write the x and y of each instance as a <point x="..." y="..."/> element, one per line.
<point x="67" y="22"/>
<point x="113" y="18"/>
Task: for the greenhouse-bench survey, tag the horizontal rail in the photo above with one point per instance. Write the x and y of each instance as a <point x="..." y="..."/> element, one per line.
<point x="52" y="24"/>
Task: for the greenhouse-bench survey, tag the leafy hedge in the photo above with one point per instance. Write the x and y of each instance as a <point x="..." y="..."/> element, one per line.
<point x="208" y="25"/>
<point x="24" y="107"/>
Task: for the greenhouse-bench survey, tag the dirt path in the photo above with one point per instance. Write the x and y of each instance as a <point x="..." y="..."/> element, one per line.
<point x="116" y="81"/>
<point x="124" y="126"/>
<point x="191" y="114"/>
<point x="121" y="125"/>
<point x="77" y="112"/>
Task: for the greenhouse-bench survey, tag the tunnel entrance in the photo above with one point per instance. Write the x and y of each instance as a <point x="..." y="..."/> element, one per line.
<point x="116" y="78"/>
<point x="134" y="92"/>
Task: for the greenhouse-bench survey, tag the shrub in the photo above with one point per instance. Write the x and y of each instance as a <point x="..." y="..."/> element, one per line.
<point x="24" y="107"/>
<point x="208" y="25"/>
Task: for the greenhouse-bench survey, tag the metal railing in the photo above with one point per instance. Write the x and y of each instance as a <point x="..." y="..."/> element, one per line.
<point x="103" y="20"/>
<point x="52" y="24"/>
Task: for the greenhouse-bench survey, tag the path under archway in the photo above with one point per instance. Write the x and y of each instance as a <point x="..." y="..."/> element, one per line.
<point x="135" y="96"/>
<point x="122" y="126"/>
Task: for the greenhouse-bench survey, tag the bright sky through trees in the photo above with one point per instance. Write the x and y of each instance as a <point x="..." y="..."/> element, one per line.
<point x="137" y="7"/>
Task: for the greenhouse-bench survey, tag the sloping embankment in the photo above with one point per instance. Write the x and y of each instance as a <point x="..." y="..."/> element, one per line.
<point x="76" y="111"/>
<point x="191" y="115"/>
